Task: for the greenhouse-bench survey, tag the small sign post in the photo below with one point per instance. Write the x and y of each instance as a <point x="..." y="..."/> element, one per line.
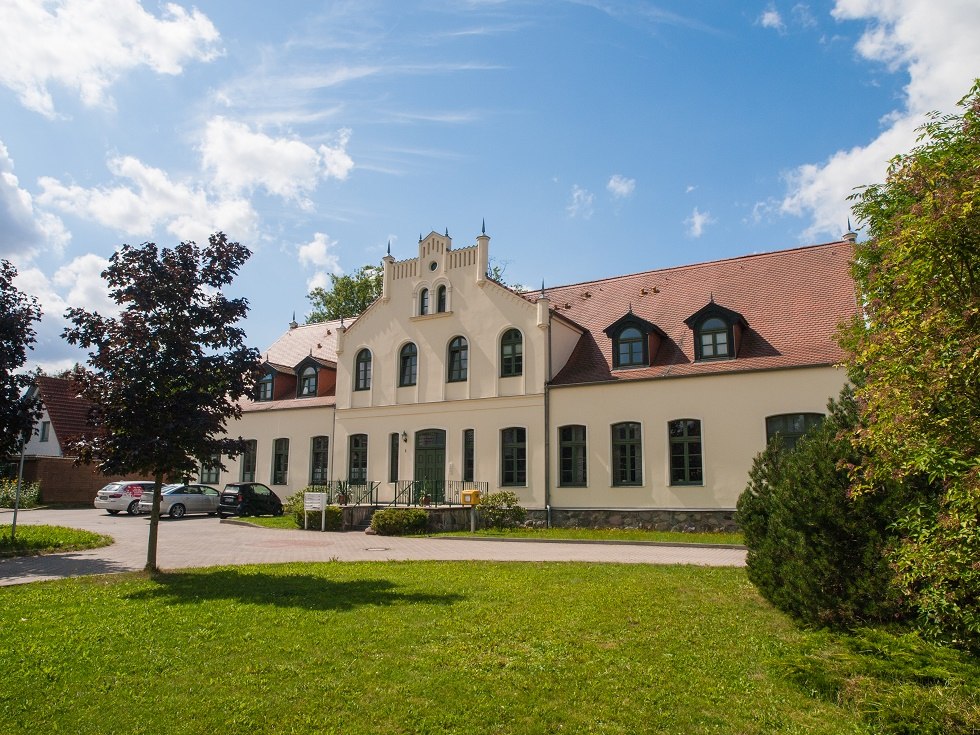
<point x="314" y="502"/>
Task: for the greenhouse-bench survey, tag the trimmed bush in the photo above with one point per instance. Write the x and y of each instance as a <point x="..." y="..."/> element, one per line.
<point x="314" y="520"/>
<point x="501" y="510"/>
<point x="400" y="521"/>
<point x="30" y="493"/>
<point x="815" y="551"/>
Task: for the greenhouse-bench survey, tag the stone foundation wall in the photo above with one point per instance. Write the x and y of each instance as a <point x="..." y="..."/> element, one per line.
<point x="654" y="520"/>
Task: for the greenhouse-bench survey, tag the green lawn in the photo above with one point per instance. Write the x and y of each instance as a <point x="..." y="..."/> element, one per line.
<point x="609" y="534"/>
<point x="412" y="647"/>
<point x="40" y="539"/>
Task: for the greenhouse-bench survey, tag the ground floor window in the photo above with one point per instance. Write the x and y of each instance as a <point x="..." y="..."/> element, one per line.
<point x="280" y="461"/>
<point x="686" y="466"/>
<point x="571" y="456"/>
<point x="211" y="469"/>
<point x="469" y="455"/>
<point x="393" y="450"/>
<point x="513" y="456"/>
<point x="357" y="459"/>
<point x="318" y="460"/>
<point x="790" y="427"/>
<point x="248" y="460"/>
<point x="627" y="454"/>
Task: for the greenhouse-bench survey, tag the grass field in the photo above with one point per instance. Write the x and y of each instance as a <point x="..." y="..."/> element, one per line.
<point x="415" y="647"/>
<point x="31" y="540"/>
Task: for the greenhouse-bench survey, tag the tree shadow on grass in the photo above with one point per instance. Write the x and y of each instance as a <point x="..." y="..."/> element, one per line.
<point x="303" y="591"/>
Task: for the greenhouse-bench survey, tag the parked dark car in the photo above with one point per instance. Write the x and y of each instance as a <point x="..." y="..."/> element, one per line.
<point x="248" y="499"/>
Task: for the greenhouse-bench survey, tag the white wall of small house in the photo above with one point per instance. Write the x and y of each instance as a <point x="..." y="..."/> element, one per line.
<point x="732" y="409"/>
<point x="37" y="448"/>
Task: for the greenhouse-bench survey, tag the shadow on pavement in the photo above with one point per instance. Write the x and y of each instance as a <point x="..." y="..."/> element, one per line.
<point x="23" y="569"/>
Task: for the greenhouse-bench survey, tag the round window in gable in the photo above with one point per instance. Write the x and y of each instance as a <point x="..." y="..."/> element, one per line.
<point x="433" y="265"/>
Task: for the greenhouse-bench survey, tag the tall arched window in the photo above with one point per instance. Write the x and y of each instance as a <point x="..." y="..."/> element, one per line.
<point x="362" y="370"/>
<point x="458" y="359"/>
<point x="424" y="301"/>
<point x="441" y="299"/>
<point x="408" y="365"/>
<point x="511" y="353"/>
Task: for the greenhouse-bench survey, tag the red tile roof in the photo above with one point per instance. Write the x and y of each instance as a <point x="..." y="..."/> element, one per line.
<point x="793" y="301"/>
<point x="68" y="411"/>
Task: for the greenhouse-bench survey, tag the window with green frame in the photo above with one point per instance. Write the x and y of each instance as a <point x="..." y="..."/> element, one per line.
<point x="408" y="365"/>
<point x="394" y="447"/>
<point x="424" y="301"/>
<point x="210" y="469"/>
<point x="627" y="454"/>
<point x="790" y="427"/>
<point x="280" y="461"/>
<point x="469" y="455"/>
<point x="319" y="454"/>
<point x="686" y="462"/>
<point x="511" y="353"/>
<point x="513" y="456"/>
<point x="362" y="370"/>
<point x="714" y="339"/>
<point x="629" y="348"/>
<point x="249" y="455"/>
<point x="264" y="388"/>
<point x="571" y="456"/>
<point x="457" y="363"/>
<point x="357" y="459"/>
<point x="441" y="299"/>
<point x="307" y="382"/>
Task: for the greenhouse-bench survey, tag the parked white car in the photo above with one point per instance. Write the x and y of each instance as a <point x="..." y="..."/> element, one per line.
<point x="179" y="499"/>
<point x="124" y="495"/>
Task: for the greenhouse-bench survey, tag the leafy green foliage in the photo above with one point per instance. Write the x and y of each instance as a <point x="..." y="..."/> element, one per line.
<point x="314" y="518"/>
<point x="815" y="551"/>
<point x="917" y="353"/>
<point x="168" y="371"/>
<point x="347" y="296"/>
<point x="42" y="539"/>
<point x="30" y="493"/>
<point x="501" y="509"/>
<point x="18" y="312"/>
<point x="399" y="521"/>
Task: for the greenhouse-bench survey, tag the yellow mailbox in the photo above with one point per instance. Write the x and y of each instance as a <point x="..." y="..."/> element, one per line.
<point x="471" y="497"/>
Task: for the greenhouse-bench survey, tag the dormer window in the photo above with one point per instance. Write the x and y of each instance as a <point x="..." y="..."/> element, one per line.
<point x="307" y="382"/>
<point x="634" y="341"/>
<point x="717" y="332"/>
<point x="264" y="388"/>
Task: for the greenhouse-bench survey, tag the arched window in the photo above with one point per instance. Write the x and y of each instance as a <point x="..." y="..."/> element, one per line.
<point x="362" y="370"/>
<point x="686" y="462"/>
<point x="441" y="299"/>
<point x="424" y="301"/>
<point x="511" y="353"/>
<point x="629" y="348"/>
<point x="458" y="359"/>
<point x="307" y="381"/>
<point x="408" y="365"/>
<point x="713" y="339"/>
<point x="264" y="388"/>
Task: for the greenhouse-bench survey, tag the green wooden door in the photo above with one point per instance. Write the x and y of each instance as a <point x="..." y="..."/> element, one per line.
<point x="430" y="466"/>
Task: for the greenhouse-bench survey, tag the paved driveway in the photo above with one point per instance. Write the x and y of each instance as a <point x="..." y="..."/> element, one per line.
<point x="203" y="541"/>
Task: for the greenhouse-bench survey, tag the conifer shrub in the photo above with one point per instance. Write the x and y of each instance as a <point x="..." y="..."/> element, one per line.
<point x="814" y="550"/>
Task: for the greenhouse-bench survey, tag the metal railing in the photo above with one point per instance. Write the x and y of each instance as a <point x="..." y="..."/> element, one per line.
<point x="341" y="492"/>
<point x="434" y="492"/>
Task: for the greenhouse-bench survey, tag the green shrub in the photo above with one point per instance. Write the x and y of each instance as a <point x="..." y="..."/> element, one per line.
<point x="314" y="519"/>
<point x="30" y="493"/>
<point x="501" y="510"/>
<point x="399" y="521"/>
<point x="815" y="551"/>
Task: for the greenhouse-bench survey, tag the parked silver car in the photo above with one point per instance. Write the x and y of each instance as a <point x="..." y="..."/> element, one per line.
<point x="124" y="495"/>
<point x="178" y="499"/>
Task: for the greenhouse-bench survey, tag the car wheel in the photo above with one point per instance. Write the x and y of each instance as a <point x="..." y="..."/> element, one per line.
<point x="177" y="510"/>
<point x="220" y="514"/>
<point x="244" y="512"/>
<point x="112" y="512"/>
<point x="277" y="511"/>
<point x="134" y="508"/>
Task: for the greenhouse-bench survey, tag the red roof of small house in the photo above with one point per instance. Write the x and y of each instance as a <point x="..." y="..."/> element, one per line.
<point x="792" y="301"/>
<point x="67" y="410"/>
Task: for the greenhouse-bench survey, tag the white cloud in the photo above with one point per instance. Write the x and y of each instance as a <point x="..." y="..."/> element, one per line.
<point x="697" y="222"/>
<point x="936" y="44"/>
<point x="151" y="200"/>
<point x="86" y="45"/>
<point x="581" y="204"/>
<point x="772" y="19"/>
<point x="319" y="253"/>
<point x="81" y="281"/>
<point x="24" y="230"/>
<point x="240" y="159"/>
<point x="620" y="186"/>
<point x="689" y="188"/>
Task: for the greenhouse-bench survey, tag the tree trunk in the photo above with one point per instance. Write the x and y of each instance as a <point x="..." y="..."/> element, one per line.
<point x="151" y="545"/>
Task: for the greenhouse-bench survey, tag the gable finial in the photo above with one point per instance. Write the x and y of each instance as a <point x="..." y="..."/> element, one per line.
<point x="420" y="237"/>
<point x="389" y="247"/>
<point x="631" y="307"/>
<point x="293" y="324"/>
<point x="447" y="232"/>
<point x="483" y="229"/>
<point x="542" y="288"/>
<point x="712" y="297"/>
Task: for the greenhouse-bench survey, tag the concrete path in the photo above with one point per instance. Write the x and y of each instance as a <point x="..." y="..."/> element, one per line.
<point x="204" y="541"/>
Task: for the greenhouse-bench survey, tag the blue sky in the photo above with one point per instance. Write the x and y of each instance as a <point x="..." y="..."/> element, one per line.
<point x="594" y="137"/>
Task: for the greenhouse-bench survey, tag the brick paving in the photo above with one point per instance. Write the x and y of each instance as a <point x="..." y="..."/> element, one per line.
<point x="200" y="541"/>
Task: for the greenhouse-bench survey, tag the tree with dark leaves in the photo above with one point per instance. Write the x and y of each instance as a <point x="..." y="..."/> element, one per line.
<point x="166" y="373"/>
<point x="18" y="312"/>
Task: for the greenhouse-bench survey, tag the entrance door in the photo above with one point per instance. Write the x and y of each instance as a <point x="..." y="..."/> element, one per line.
<point x="430" y="467"/>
